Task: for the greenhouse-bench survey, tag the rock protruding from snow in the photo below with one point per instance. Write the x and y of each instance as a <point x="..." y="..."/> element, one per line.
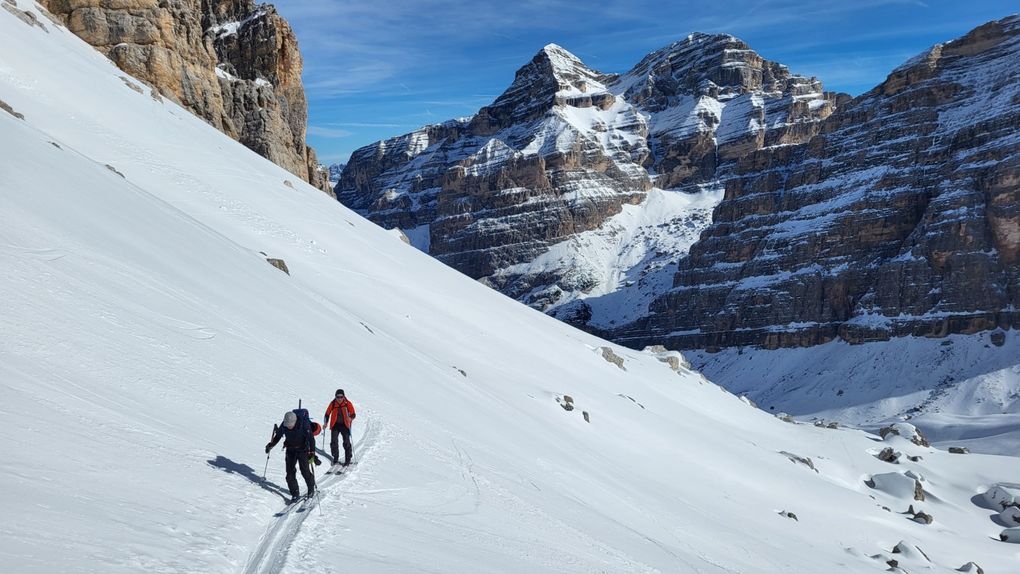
<point x="7" y="108"/>
<point x="1011" y="515"/>
<point x="567" y="402"/>
<point x="609" y="355"/>
<point x="1011" y="535"/>
<point x="797" y="459"/>
<point x="889" y="455"/>
<point x="905" y="430"/>
<point x="279" y="264"/>
<point x="1000" y="496"/>
<point x="905" y="486"/>
<point x="674" y="359"/>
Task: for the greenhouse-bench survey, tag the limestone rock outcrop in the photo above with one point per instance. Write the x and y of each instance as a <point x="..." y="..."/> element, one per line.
<point x="231" y="62"/>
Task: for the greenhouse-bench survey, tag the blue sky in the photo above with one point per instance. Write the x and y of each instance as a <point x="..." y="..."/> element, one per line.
<point x="376" y="69"/>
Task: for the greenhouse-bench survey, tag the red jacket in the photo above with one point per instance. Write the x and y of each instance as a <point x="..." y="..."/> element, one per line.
<point x="341" y="406"/>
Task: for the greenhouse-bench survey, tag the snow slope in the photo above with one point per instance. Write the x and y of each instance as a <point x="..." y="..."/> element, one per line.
<point x="147" y="348"/>
<point x="614" y="271"/>
<point x="963" y="390"/>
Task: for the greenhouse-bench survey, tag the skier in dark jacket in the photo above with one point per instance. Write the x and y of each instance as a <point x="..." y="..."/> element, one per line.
<point x="339" y="417"/>
<point x="299" y="445"/>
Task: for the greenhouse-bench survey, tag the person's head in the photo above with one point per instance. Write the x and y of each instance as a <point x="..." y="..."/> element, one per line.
<point x="289" y="419"/>
<point x="339" y="393"/>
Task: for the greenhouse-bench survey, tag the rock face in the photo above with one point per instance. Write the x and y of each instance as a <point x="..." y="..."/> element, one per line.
<point x="900" y="217"/>
<point x="710" y="100"/>
<point x="230" y="62"/>
<point x="565" y="149"/>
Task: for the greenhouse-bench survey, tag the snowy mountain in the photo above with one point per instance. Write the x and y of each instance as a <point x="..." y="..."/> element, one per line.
<point x="148" y="348"/>
<point x="901" y="217"/>
<point x="546" y="194"/>
<point x="334" y="171"/>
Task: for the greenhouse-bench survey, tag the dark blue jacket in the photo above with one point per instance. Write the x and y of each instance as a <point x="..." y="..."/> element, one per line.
<point x="299" y="438"/>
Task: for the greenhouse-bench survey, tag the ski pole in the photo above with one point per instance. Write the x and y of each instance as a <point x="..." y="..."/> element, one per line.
<point x="275" y="428"/>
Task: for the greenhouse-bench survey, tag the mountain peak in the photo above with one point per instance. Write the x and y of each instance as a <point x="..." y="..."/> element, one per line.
<point x="718" y="65"/>
<point x="554" y="75"/>
<point x="559" y="57"/>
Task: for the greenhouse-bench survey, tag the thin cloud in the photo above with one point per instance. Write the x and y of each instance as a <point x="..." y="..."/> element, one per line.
<point x="332" y="133"/>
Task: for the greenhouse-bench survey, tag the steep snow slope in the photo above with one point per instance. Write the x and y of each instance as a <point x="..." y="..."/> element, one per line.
<point x="609" y="275"/>
<point x="147" y="348"/>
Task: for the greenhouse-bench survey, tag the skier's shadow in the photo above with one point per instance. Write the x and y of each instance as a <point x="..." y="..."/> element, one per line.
<point x="230" y="467"/>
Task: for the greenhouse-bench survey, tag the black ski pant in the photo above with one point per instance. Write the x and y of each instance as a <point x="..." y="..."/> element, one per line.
<point x="300" y="459"/>
<point x="334" y="448"/>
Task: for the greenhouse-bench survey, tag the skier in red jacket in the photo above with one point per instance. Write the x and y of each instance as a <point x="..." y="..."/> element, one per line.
<point x="339" y="416"/>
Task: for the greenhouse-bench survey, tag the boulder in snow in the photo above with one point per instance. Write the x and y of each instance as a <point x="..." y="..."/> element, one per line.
<point x="10" y="110"/>
<point x="674" y="359"/>
<point x="905" y="430"/>
<point x="279" y="264"/>
<point x="889" y="455"/>
<point x="567" y="402"/>
<point x="1000" y="495"/>
<point x="1010" y="515"/>
<point x="910" y="551"/>
<point x="898" y="485"/>
<point x="795" y="459"/>
<point x="919" y="515"/>
<point x="923" y="517"/>
<point x="959" y="450"/>
<point x="998" y="337"/>
<point x="23" y="15"/>
<point x="399" y="234"/>
<point x="613" y="358"/>
<point x="971" y="567"/>
<point x="1011" y="535"/>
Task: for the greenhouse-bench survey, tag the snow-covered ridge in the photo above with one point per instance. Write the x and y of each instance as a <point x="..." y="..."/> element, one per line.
<point x="148" y="348"/>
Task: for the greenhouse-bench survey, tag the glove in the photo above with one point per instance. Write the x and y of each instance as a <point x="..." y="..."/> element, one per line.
<point x="354" y="416"/>
<point x="269" y="446"/>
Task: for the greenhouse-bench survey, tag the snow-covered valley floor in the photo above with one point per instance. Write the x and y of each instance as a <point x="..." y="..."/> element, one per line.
<point x="147" y="348"/>
<point x="963" y="390"/>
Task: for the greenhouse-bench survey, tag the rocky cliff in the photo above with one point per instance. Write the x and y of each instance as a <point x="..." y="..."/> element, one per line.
<point x="900" y="217"/>
<point x="566" y="149"/>
<point x="233" y="63"/>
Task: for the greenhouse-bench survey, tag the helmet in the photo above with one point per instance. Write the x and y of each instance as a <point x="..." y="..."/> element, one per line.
<point x="289" y="419"/>
<point x="339" y="392"/>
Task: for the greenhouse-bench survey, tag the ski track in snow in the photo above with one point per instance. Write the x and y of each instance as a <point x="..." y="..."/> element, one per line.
<point x="270" y="555"/>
